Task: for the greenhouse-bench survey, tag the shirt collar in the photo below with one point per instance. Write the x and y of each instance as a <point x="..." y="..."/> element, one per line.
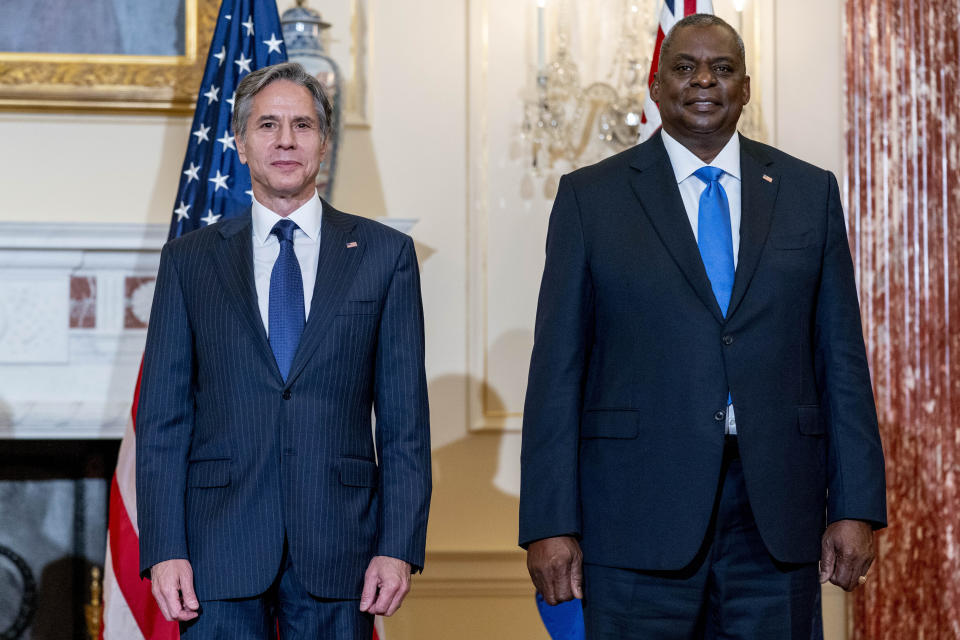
<point x="685" y="162"/>
<point x="307" y="217"/>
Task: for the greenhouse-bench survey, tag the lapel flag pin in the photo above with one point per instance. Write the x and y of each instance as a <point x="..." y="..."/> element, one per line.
<point x="351" y="245"/>
<point x="767" y="178"/>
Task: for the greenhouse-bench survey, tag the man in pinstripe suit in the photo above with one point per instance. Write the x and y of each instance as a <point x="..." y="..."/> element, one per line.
<point x="263" y="497"/>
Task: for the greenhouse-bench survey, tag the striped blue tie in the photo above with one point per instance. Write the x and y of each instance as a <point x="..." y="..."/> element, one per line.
<point x="286" y="315"/>
<point x="714" y="236"/>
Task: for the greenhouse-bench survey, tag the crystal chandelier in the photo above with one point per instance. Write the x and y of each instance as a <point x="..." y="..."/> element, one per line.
<point x="576" y="124"/>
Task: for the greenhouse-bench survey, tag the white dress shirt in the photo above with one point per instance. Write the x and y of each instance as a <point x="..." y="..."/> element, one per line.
<point x="685" y="163"/>
<point x="266" y="249"/>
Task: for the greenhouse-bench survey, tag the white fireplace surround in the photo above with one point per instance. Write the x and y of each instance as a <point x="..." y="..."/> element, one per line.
<point x="66" y="376"/>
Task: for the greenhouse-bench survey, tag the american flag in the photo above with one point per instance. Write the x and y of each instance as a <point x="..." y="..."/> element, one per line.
<point x="213" y="185"/>
<point x="670" y="13"/>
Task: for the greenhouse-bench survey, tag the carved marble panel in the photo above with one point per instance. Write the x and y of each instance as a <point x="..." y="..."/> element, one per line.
<point x="34" y="318"/>
<point x="83" y="302"/>
<point x="68" y="355"/>
<point x="138" y="296"/>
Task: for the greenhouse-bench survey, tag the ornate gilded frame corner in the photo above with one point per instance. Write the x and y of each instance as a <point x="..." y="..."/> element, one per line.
<point x="111" y="83"/>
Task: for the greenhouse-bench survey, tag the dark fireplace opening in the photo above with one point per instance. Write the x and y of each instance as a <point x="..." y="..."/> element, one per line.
<point x="53" y="525"/>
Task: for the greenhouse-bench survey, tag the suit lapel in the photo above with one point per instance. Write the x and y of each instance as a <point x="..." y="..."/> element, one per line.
<point x="655" y="185"/>
<point x="234" y="265"/>
<point x="336" y="269"/>
<point x="759" y="190"/>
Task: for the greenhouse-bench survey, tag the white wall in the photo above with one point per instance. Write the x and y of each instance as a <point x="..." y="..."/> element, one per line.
<point x="90" y="168"/>
<point x="808" y="80"/>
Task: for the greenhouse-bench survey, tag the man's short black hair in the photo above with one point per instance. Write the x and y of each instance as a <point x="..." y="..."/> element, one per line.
<point x="701" y="20"/>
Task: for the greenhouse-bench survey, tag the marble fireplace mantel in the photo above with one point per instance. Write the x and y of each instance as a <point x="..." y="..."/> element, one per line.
<point x="74" y="303"/>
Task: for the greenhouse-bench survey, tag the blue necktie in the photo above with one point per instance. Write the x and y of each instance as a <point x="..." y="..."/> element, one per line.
<point x="286" y="315"/>
<point x="714" y="236"/>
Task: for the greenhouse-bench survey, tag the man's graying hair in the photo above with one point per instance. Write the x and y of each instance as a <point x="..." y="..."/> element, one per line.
<point x="256" y="81"/>
<point x="701" y="20"/>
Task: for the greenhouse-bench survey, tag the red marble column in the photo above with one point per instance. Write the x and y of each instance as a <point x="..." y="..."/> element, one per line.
<point x="903" y="197"/>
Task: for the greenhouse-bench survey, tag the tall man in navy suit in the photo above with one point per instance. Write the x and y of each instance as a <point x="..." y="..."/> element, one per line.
<point x="699" y="426"/>
<point x="263" y="496"/>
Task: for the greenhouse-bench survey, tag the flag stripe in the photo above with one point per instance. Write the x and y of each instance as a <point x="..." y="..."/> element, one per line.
<point x="118" y="620"/>
<point x="125" y="556"/>
<point x="655" y="62"/>
<point x="126" y="473"/>
<point x="124" y="548"/>
<point x="667" y="21"/>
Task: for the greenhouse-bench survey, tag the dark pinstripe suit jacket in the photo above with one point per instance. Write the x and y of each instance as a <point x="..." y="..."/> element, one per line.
<point x="230" y="458"/>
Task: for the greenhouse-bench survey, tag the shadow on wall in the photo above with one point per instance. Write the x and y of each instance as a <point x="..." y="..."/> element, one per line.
<point x="358" y="187"/>
<point x="476" y="477"/>
<point x="468" y="511"/>
<point x="423" y="253"/>
<point x="63" y="588"/>
<point x="508" y="361"/>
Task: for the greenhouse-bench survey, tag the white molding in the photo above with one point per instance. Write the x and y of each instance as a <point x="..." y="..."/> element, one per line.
<point x="82" y="236"/>
<point x="477" y="209"/>
<point x="43" y="420"/>
<point x="501" y="222"/>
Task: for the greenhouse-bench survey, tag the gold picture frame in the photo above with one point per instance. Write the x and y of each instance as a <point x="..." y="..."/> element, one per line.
<point x="112" y="83"/>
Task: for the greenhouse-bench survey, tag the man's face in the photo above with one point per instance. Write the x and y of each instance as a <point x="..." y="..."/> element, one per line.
<point x="283" y="145"/>
<point x="701" y="86"/>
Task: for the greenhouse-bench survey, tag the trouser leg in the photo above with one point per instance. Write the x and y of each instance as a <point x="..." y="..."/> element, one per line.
<point x="305" y="617"/>
<point x="751" y="595"/>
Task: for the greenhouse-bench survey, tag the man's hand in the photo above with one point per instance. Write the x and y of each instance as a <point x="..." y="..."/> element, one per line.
<point x="385" y="585"/>
<point x="172" y="587"/>
<point x="846" y="553"/>
<point x="556" y="566"/>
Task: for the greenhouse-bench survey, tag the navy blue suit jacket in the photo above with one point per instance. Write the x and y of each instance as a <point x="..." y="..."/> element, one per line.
<point x="230" y="458"/>
<point x="632" y="361"/>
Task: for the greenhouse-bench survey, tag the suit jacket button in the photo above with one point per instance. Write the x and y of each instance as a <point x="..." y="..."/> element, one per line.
<point x="286" y="394"/>
<point x="719" y="416"/>
<point x="727" y="340"/>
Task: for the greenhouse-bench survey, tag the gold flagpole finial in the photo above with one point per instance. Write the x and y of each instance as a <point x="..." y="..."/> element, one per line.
<point x="94" y="610"/>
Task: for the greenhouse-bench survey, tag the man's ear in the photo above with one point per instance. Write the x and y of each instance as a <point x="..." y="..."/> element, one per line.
<point x="241" y="149"/>
<point x="655" y="87"/>
<point x="746" y="90"/>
